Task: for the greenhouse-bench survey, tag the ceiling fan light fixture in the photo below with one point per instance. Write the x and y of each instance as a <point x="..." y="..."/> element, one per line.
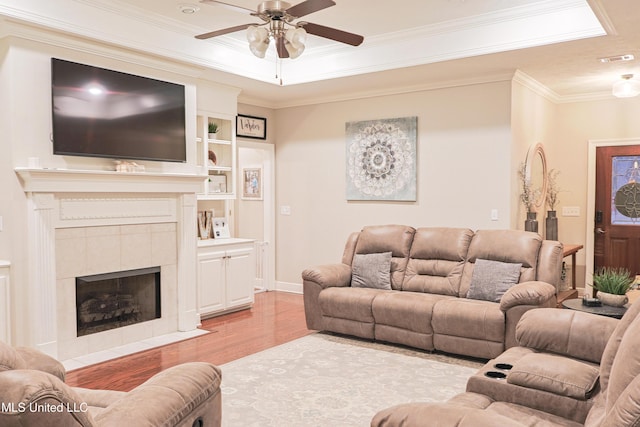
<point x="258" y="38"/>
<point x="294" y="41"/>
<point x="626" y="87"/>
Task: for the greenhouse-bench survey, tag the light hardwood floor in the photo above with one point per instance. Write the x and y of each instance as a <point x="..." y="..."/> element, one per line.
<point x="275" y="318"/>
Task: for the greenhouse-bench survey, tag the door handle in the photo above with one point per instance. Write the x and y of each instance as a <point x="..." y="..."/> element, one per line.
<point x="600" y="231"/>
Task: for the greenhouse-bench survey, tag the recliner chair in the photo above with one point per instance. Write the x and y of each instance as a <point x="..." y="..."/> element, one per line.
<point x="33" y="393"/>
<point x="561" y="358"/>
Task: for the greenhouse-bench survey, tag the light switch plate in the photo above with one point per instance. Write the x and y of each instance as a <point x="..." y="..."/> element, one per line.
<point x="571" y="211"/>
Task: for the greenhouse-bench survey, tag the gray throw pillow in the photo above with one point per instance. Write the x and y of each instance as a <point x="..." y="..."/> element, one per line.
<point x="491" y="279"/>
<point x="371" y="271"/>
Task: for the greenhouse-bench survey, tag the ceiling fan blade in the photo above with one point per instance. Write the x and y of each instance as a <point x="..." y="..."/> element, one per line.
<point x="228" y="5"/>
<point x="225" y="31"/>
<point x="332" y="33"/>
<point x="309" y="6"/>
<point x="282" y="51"/>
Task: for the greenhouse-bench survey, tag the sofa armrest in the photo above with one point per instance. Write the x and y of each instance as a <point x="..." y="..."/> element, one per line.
<point x="534" y="293"/>
<point x="567" y="332"/>
<point x="329" y="275"/>
<point x="35" y="398"/>
<point x="35" y="359"/>
<point x="168" y="398"/>
<point x="556" y="374"/>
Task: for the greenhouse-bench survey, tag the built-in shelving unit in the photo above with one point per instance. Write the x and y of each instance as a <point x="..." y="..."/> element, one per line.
<point x="217" y="155"/>
<point x="226" y="266"/>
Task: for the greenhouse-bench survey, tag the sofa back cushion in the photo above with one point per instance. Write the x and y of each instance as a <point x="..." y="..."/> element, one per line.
<point x="620" y="374"/>
<point x="436" y="260"/>
<point x="396" y="239"/>
<point x="509" y="246"/>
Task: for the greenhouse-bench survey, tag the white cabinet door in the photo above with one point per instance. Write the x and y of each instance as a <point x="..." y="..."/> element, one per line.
<point x="240" y="276"/>
<point x="211" y="282"/>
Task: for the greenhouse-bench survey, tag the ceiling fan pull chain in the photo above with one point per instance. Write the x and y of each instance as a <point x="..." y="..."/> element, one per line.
<point x="279" y="69"/>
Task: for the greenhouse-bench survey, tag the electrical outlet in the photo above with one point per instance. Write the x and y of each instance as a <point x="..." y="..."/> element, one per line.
<point x="494" y="214"/>
<point x="285" y="210"/>
<point x="1" y="223"/>
<point x="571" y="211"/>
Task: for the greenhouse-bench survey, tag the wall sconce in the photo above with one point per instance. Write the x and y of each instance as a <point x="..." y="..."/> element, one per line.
<point x="627" y="87"/>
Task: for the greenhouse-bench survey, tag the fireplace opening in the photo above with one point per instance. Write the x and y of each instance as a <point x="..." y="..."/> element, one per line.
<point x="113" y="300"/>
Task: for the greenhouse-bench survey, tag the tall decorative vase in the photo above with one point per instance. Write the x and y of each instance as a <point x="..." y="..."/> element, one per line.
<point x="531" y="223"/>
<point x="551" y="226"/>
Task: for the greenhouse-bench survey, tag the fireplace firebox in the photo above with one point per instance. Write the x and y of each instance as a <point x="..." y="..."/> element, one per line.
<point x="113" y="300"/>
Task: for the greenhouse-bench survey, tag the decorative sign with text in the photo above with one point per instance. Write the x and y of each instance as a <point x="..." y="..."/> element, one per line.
<point x="251" y="127"/>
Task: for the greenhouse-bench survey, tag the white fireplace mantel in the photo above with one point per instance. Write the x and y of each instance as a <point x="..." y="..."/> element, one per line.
<point x="96" y="181"/>
<point x="59" y="198"/>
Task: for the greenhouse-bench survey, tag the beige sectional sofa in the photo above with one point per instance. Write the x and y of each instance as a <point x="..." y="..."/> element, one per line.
<point x="424" y="301"/>
<point x="572" y="369"/>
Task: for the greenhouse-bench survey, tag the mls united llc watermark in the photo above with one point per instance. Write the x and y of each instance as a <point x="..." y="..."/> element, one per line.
<point x="21" y="407"/>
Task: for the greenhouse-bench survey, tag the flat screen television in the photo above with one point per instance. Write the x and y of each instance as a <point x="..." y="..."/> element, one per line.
<point x="105" y="113"/>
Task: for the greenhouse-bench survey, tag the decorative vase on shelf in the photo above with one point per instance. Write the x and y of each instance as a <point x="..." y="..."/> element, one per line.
<point x="531" y="223"/>
<point x="551" y="226"/>
<point x="612" y="299"/>
<point x="213" y="136"/>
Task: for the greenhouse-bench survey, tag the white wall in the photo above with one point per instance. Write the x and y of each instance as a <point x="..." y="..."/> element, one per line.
<point x="250" y="214"/>
<point x="464" y="170"/>
<point x="533" y="121"/>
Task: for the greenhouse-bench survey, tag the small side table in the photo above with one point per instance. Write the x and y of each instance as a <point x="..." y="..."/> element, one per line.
<point x="572" y="250"/>
<point x="603" y="310"/>
<point x="572" y="292"/>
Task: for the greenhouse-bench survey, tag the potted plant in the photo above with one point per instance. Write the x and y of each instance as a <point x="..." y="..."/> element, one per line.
<point x="612" y="285"/>
<point x="213" y="130"/>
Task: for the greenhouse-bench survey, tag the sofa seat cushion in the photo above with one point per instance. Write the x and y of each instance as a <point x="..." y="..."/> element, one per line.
<point x="407" y="310"/>
<point x="467" y="318"/>
<point x="405" y="318"/>
<point x="468" y="410"/>
<point x="527" y="417"/>
<point x="349" y="303"/>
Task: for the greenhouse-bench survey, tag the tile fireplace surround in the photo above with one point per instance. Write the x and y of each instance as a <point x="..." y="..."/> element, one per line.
<point x="92" y="222"/>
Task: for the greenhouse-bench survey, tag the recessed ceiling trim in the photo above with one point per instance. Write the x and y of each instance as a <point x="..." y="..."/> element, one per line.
<point x="383" y="91"/>
<point x="452" y="40"/>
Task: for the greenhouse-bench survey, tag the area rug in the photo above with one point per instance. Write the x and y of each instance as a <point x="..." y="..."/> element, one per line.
<point x="327" y="380"/>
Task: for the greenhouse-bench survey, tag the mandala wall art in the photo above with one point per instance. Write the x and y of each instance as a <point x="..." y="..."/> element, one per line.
<point x="381" y="159"/>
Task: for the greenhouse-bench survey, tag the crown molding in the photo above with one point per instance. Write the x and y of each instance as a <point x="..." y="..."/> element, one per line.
<point x="536" y="87"/>
<point x="117" y="23"/>
<point x="365" y="94"/>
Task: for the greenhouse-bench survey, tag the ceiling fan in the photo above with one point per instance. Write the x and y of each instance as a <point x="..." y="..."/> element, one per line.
<point x="278" y="17"/>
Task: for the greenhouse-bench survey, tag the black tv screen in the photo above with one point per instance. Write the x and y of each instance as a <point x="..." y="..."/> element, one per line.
<point x="105" y="113"/>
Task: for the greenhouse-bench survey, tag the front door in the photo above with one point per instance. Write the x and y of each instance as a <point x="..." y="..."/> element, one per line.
<point x="617" y="216"/>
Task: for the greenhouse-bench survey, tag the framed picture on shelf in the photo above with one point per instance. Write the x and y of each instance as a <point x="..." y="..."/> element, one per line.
<point x="217" y="184"/>
<point x="251" y="127"/>
<point x="221" y="228"/>
<point x="252" y="183"/>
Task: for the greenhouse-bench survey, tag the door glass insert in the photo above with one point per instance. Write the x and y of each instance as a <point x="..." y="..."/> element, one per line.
<point x="625" y="190"/>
